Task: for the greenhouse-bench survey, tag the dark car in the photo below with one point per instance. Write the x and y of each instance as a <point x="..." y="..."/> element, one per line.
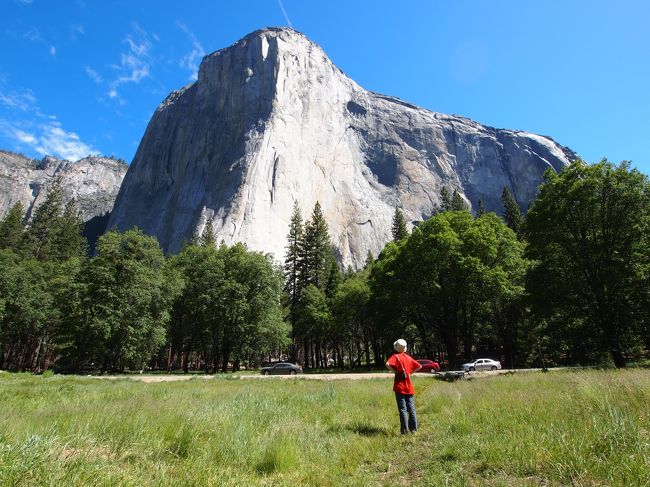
<point x="282" y="368"/>
<point x="428" y="365"/>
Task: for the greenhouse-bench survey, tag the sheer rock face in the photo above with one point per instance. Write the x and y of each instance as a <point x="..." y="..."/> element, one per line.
<point x="271" y="120"/>
<point x="93" y="181"/>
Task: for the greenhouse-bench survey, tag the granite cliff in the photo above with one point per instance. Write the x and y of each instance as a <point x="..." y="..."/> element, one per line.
<point x="92" y="181"/>
<point x="271" y="120"/>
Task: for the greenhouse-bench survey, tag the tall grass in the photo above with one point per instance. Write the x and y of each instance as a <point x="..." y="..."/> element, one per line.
<point x="583" y="428"/>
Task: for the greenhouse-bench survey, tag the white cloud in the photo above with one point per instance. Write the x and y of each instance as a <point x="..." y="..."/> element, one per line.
<point x="56" y="141"/>
<point x="94" y="75"/>
<point x="192" y="59"/>
<point x="24" y="136"/>
<point x="43" y="134"/>
<point x="135" y="63"/>
<point x="27" y="129"/>
<point x="53" y="50"/>
<point x="22" y="101"/>
<point x="47" y="139"/>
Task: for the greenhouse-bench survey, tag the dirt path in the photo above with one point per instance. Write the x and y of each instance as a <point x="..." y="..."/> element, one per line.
<point x="326" y="377"/>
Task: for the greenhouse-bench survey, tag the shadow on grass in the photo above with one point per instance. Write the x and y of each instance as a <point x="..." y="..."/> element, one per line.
<point x="362" y="429"/>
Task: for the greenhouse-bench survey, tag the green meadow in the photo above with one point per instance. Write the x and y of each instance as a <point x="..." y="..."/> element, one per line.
<point x="583" y="428"/>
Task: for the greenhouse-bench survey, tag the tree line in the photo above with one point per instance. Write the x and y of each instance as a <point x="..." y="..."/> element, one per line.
<point x="566" y="283"/>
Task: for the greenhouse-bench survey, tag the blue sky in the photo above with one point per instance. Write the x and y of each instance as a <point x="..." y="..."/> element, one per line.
<point x="84" y="76"/>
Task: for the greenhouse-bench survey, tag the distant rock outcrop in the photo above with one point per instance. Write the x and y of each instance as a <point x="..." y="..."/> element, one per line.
<point x="271" y="120"/>
<point x="92" y="181"/>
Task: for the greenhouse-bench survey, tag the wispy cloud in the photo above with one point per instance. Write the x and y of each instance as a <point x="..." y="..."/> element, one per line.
<point x="284" y="12"/>
<point x="23" y="100"/>
<point x="94" y="75"/>
<point x="33" y="35"/>
<point x="135" y="62"/>
<point x="75" y="31"/>
<point x="192" y="59"/>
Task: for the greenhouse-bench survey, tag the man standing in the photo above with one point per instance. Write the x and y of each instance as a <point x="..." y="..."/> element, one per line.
<point x="403" y="366"/>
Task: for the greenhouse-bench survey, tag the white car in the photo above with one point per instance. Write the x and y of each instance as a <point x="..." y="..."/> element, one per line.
<point x="482" y="364"/>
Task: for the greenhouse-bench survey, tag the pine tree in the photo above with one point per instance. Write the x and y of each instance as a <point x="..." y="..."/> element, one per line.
<point x="333" y="278"/>
<point x="208" y="238"/>
<point x="480" y="210"/>
<point x="12" y="229"/>
<point x="292" y="268"/>
<point x="512" y="214"/>
<point x="399" y="226"/>
<point x="42" y="232"/>
<point x="69" y="240"/>
<point x="445" y="199"/>
<point x="314" y="250"/>
<point x="457" y="202"/>
<point x="370" y="259"/>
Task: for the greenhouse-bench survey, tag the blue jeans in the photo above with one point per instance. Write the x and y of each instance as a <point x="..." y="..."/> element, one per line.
<point x="406" y="404"/>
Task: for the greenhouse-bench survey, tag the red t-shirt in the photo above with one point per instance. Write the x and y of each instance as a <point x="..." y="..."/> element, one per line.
<point x="404" y="364"/>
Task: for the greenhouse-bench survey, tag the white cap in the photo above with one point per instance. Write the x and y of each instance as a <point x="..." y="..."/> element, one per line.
<point x="400" y="345"/>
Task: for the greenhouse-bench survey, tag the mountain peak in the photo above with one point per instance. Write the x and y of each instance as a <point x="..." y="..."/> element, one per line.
<point x="271" y="121"/>
<point x="256" y="43"/>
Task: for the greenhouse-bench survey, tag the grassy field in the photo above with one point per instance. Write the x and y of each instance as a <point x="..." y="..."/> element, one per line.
<point x="582" y="428"/>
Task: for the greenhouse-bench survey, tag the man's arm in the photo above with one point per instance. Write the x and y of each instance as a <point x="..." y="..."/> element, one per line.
<point x="417" y="367"/>
<point x="390" y="367"/>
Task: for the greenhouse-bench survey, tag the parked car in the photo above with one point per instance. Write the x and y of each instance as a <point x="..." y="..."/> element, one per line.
<point x="282" y="368"/>
<point x="482" y="364"/>
<point x="428" y="365"/>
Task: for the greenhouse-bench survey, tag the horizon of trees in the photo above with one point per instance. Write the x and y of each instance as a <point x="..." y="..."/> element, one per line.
<point x="566" y="283"/>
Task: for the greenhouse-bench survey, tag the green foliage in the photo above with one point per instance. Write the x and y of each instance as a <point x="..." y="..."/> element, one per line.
<point x="12" y="229"/>
<point x="124" y="298"/>
<point x="445" y="199"/>
<point x="480" y="210"/>
<point x="27" y="311"/>
<point x="69" y="241"/>
<point x="457" y="202"/>
<point x="353" y="324"/>
<point x="292" y="266"/>
<point x="42" y="232"/>
<point x="208" y="238"/>
<point x="399" y="229"/>
<point x="452" y="278"/>
<point x="512" y="214"/>
<point x="229" y="307"/>
<point x="56" y="232"/>
<point x="315" y="250"/>
<point x="588" y="234"/>
<point x="316" y="318"/>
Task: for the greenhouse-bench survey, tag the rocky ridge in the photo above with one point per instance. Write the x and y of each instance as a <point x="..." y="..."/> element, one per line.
<point x="92" y="181"/>
<point x="271" y="120"/>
